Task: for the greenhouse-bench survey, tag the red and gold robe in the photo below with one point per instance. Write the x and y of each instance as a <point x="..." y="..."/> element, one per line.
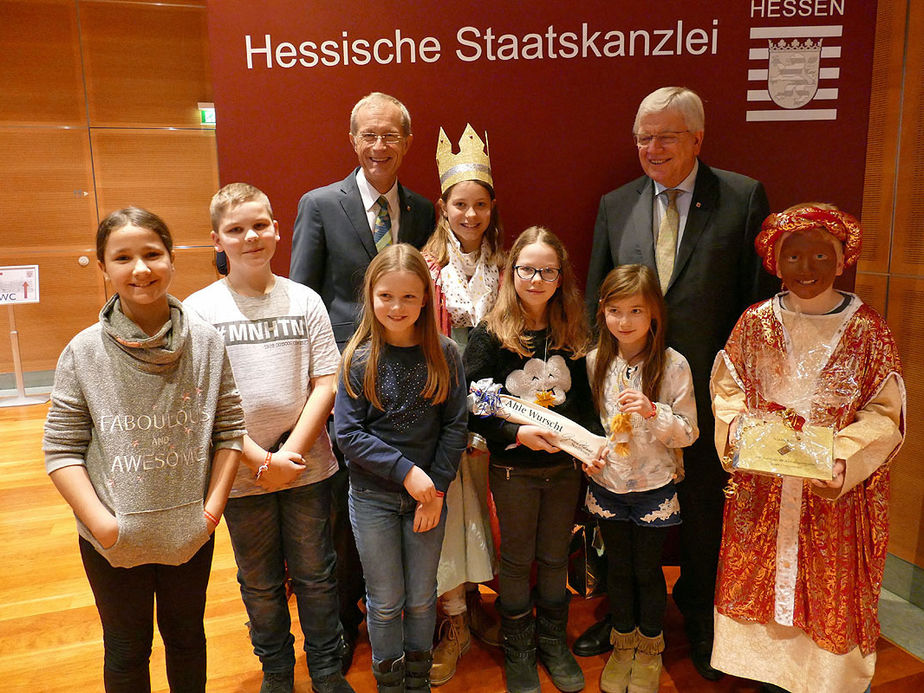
<point x="791" y="557"/>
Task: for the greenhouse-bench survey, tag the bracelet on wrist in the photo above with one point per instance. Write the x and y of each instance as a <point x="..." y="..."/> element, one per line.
<point x="209" y="516"/>
<point x="265" y="465"/>
<point x="440" y="494"/>
<point x="653" y="412"/>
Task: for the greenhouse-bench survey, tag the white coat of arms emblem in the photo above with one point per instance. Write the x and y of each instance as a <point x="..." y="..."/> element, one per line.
<point x="792" y="77"/>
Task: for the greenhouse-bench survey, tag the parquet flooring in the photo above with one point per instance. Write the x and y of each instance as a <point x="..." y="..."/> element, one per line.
<point x="51" y="641"/>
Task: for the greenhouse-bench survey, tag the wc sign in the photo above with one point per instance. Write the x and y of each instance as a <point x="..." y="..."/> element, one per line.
<point x="19" y="284"/>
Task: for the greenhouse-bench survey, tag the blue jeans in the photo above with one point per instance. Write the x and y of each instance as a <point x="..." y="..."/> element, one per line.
<point x="269" y="532"/>
<point x="400" y="569"/>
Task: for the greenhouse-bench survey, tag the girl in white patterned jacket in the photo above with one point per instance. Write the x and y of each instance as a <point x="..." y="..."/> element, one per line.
<point x="644" y="394"/>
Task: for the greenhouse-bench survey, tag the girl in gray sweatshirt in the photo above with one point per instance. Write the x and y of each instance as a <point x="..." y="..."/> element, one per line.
<point x="142" y="440"/>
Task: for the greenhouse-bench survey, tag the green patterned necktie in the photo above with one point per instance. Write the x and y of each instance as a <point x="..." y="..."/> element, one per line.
<point x="381" y="233"/>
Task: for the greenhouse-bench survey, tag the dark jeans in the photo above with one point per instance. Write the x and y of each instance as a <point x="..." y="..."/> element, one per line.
<point x="634" y="580"/>
<point x="125" y="600"/>
<point x="291" y="528"/>
<point x="535" y="511"/>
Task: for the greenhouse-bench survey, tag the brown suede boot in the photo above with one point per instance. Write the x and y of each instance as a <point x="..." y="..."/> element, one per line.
<point x="485" y="625"/>
<point x="646" y="669"/>
<point x="615" y="675"/>
<point x="455" y="640"/>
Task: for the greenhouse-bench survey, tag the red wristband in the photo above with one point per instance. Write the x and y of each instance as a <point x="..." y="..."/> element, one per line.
<point x="440" y="494"/>
<point x="654" y="411"/>
<point x="265" y="465"/>
<point x="211" y="517"/>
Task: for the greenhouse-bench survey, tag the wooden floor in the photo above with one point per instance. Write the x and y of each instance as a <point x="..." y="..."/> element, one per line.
<point x="50" y="638"/>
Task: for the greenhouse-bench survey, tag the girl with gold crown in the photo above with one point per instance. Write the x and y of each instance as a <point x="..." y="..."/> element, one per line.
<point x="464" y="255"/>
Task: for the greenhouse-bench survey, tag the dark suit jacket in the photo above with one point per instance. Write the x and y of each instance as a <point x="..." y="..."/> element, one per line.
<point x="717" y="273"/>
<point x="332" y="245"/>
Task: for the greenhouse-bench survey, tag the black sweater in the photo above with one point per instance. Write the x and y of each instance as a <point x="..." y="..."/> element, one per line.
<point x="546" y="371"/>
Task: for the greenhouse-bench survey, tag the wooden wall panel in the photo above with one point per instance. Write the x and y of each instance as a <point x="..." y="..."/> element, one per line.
<point x="71" y="297"/>
<point x="48" y="185"/>
<point x="873" y="289"/>
<point x="195" y="269"/>
<point x="906" y="302"/>
<point x="40" y="69"/>
<point x="145" y="64"/>
<point x="908" y="243"/>
<point x="173" y="173"/>
<point x="882" y="142"/>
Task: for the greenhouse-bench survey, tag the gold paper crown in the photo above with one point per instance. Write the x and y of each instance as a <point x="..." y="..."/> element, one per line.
<point x="471" y="163"/>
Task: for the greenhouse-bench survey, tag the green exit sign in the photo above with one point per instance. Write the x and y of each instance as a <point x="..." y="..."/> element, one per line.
<point x="206" y="113"/>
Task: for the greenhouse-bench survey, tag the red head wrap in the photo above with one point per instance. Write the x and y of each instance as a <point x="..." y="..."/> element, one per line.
<point x="841" y="225"/>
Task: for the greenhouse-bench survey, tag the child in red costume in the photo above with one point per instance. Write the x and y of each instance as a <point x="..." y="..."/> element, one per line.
<point x="801" y="561"/>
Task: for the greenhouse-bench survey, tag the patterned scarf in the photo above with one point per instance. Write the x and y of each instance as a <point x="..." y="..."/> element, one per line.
<point x="469" y="284"/>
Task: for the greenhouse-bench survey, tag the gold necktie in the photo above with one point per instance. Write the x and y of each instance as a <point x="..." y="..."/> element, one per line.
<point x="666" y="246"/>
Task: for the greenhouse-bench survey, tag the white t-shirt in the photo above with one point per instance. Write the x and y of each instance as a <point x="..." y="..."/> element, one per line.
<point x="276" y="343"/>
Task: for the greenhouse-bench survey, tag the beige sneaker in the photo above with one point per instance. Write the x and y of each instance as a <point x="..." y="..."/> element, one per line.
<point x="615" y="675"/>
<point x="455" y="641"/>
<point x="646" y="669"/>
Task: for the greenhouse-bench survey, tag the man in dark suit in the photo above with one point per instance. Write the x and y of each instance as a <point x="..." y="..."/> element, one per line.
<point x="334" y="236"/>
<point x="695" y="226"/>
<point x="338" y="230"/>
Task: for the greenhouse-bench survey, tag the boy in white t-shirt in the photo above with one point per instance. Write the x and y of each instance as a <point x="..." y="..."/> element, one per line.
<point x="284" y="357"/>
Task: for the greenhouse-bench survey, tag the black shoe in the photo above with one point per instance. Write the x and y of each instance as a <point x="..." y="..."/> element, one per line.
<point x="699" y="633"/>
<point x="552" y="646"/>
<point x="595" y="640"/>
<point x="519" y="631"/>
<point x="278" y="682"/>
<point x="346" y="649"/>
<point x="701" y="654"/>
<point x="332" y="683"/>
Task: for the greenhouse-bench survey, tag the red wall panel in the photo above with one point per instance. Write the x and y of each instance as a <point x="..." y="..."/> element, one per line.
<point x="559" y="126"/>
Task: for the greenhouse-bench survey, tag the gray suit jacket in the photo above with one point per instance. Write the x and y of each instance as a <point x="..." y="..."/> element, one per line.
<point x="332" y="245"/>
<point x="717" y="273"/>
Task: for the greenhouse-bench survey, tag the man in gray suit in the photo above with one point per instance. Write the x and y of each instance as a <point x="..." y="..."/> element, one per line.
<point x="695" y="226"/>
<point x="335" y="235"/>
<point x="338" y="230"/>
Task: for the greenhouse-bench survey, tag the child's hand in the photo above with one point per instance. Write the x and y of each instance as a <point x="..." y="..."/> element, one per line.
<point x="107" y="532"/>
<point x="596" y="465"/>
<point x="830" y="489"/>
<point x="536" y="438"/>
<point x="427" y="515"/>
<point x="284" y="467"/>
<point x="733" y="429"/>
<point x="634" y="402"/>
<point x="419" y="484"/>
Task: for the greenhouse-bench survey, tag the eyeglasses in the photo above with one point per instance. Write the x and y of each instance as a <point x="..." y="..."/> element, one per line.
<point x="387" y="138"/>
<point x="546" y="274"/>
<point x="665" y="139"/>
